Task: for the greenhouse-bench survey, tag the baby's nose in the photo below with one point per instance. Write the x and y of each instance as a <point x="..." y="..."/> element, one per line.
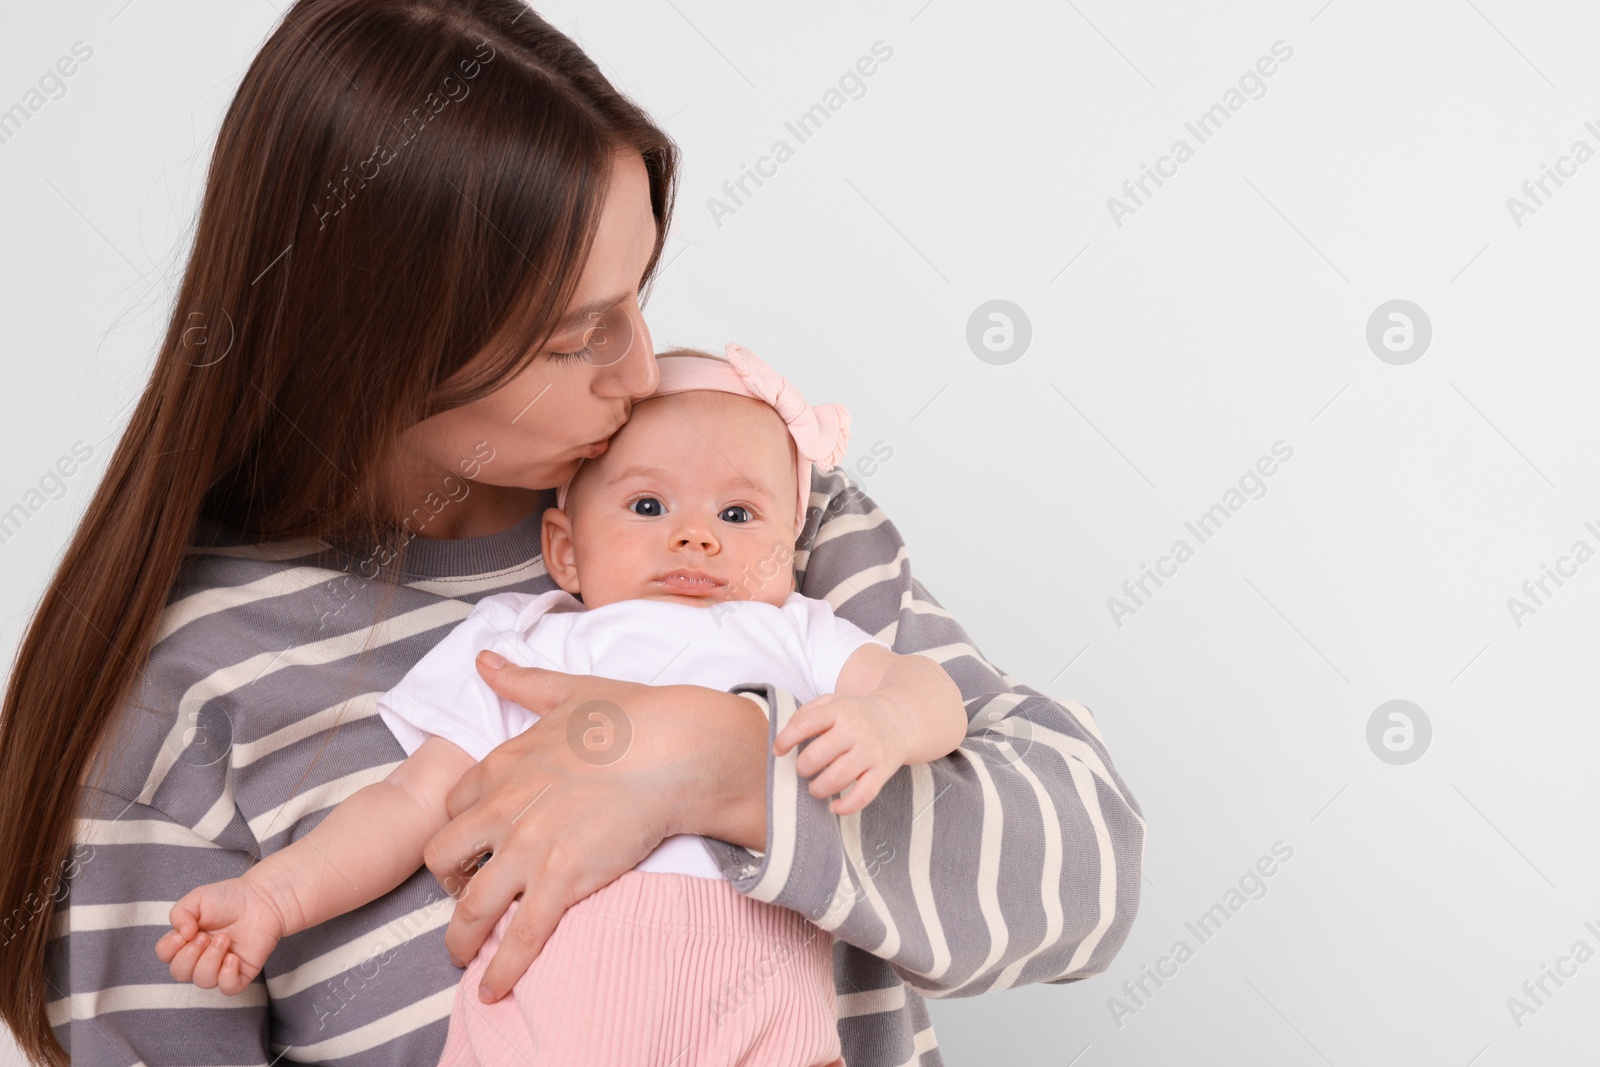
<point x="696" y="539"/>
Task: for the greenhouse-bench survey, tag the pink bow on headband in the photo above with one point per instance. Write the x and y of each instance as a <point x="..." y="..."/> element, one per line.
<point x="821" y="432"/>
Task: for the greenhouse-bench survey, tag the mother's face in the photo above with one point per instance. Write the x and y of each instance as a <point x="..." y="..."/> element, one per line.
<point x="581" y="388"/>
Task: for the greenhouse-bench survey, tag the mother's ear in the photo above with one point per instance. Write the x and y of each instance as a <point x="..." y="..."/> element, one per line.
<point x="560" y="556"/>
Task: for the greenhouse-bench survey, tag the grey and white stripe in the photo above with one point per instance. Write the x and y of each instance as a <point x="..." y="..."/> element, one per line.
<point x="1014" y="860"/>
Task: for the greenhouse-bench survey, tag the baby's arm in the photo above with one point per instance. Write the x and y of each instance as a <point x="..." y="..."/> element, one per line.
<point x="887" y="710"/>
<point x="931" y="711"/>
<point x="222" y="933"/>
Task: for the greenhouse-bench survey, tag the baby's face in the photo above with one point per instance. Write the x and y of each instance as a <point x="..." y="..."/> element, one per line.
<point x="693" y="502"/>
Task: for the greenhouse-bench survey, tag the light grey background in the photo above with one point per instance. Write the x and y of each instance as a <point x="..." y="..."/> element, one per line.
<point x="1227" y="313"/>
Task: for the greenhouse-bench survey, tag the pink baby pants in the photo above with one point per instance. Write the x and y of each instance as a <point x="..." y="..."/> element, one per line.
<point x="658" y="970"/>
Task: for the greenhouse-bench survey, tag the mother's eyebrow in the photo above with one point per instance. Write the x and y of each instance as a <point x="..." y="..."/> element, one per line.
<point x="578" y="315"/>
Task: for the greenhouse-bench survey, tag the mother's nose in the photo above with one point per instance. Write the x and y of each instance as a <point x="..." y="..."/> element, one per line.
<point x="628" y="366"/>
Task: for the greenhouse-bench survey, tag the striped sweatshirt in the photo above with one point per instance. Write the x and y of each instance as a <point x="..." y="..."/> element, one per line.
<point x="1014" y="859"/>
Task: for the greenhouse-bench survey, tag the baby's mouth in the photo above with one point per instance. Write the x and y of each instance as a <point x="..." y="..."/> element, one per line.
<point x="690" y="583"/>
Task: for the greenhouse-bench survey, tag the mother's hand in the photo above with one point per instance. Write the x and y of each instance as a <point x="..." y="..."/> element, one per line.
<point x="608" y="771"/>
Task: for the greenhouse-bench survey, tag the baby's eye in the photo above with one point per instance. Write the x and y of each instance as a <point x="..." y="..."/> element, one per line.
<point x="654" y="506"/>
<point x="732" y="513"/>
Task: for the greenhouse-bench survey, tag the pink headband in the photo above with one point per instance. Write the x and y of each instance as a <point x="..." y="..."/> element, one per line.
<point x="820" y="431"/>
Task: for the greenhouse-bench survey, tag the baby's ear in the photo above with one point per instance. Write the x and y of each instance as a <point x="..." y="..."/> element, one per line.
<point x="560" y="555"/>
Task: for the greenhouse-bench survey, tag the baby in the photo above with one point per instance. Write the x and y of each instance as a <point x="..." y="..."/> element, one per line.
<point x="679" y="539"/>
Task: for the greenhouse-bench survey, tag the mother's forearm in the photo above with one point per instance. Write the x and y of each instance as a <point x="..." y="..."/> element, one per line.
<point x="716" y="776"/>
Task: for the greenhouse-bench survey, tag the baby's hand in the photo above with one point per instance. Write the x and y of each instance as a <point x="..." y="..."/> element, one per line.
<point x="221" y="936"/>
<point x="858" y="740"/>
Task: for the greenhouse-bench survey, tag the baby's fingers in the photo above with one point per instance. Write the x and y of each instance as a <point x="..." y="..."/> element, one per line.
<point x="170" y="944"/>
<point x="833" y="762"/>
<point x="235" y="976"/>
<point x="860" y="794"/>
<point x="182" y="965"/>
<point x="808" y="720"/>
<point x="210" y="963"/>
<point x="185" y="915"/>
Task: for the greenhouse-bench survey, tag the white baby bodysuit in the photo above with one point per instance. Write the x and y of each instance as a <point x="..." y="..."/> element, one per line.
<point x="800" y="647"/>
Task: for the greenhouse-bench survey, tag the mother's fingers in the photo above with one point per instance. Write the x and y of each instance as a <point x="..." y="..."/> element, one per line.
<point x="535" y="688"/>
<point x="466" y="793"/>
<point x="451" y="855"/>
<point x="525" y="938"/>
<point x="485" y="898"/>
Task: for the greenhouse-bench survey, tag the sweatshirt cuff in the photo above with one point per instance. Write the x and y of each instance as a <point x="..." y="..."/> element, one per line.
<point x="795" y="818"/>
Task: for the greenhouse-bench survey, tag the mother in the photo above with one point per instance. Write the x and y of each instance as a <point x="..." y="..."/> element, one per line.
<point x="412" y="307"/>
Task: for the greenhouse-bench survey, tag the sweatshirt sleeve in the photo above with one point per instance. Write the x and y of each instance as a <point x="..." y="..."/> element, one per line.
<point x="1014" y="859"/>
<point x="110" y="1001"/>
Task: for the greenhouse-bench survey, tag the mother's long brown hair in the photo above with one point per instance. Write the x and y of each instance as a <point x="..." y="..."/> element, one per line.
<point x="399" y="205"/>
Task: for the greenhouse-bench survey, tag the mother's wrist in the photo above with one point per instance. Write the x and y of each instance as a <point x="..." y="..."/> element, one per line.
<point x="716" y="779"/>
